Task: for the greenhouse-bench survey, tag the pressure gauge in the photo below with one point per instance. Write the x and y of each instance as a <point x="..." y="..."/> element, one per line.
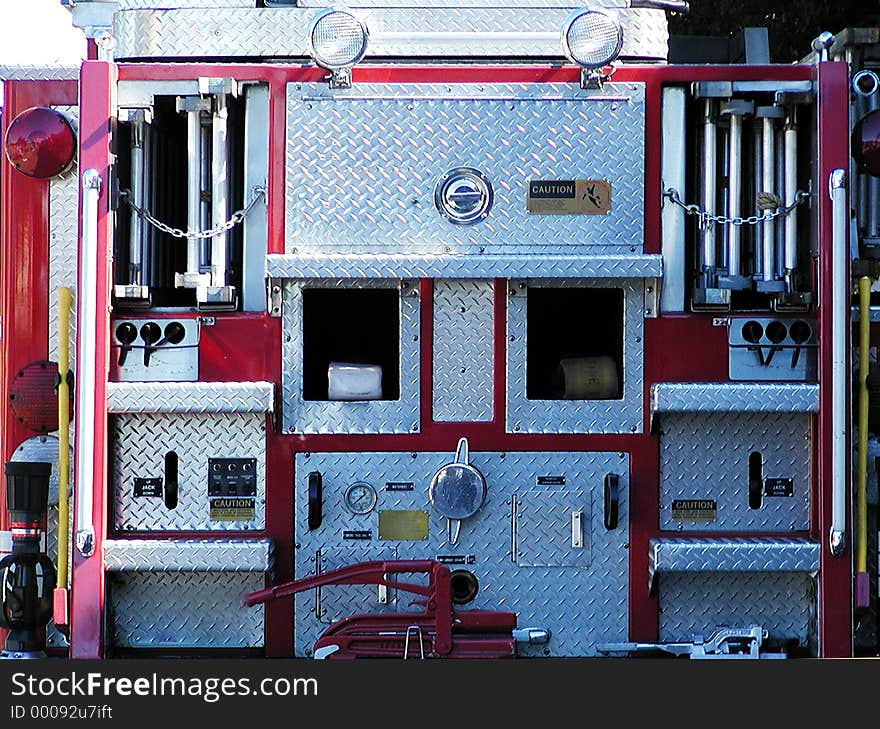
<point x="360" y="498"/>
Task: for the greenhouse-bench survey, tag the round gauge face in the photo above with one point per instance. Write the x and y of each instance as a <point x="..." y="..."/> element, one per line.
<point x="360" y="498"/>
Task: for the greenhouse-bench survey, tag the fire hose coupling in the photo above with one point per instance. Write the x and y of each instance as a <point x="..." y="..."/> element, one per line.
<point x="532" y="636"/>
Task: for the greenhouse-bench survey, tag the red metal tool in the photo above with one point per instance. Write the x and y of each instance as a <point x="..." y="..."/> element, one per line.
<point x="440" y="631"/>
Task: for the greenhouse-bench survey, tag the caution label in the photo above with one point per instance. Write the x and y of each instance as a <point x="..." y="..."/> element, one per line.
<point x="694" y="510"/>
<point x="568" y="197"/>
<point x="232" y="509"/>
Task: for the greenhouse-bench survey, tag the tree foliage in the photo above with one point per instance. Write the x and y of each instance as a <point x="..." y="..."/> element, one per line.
<point x="791" y="25"/>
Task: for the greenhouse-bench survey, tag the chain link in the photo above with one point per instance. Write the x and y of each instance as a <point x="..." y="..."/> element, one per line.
<point x="708" y="218"/>
<point x="236" y="218"/>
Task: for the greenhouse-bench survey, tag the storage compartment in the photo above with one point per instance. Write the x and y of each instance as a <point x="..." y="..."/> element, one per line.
<point x="354" y="326"/>
<point x="575" y="355"/>
<point x="350" y="356"/>
<point x="574" y="344"/>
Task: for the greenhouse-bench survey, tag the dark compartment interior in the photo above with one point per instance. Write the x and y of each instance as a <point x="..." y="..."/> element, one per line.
<point x="361" y="326"/>
<point x="570" y="322"/>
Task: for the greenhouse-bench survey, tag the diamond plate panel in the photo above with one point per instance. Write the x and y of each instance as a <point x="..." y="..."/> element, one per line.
<point x="743" y="554"/>
<point x="706" y="456"/>
<point x="781" y="602"/>
<point x="575" y="416"/>
<point x="187" y="555"/>
<point x="140" y="442"/>
<point x="63" y="244"/>
<point x="374" y="416"/>
<point x="190" y="397"/>
<point x="398" y="140"/>
<point x="464" y="332"/>
<point x="723" y="397"/>
<point x="388" y="265"/>
<point x="242" y="32"/>
<point x="39" y="73"/>
<point x="546" y="529"/>
<point x="580" y="605"/>
<point x="184" y="610"/>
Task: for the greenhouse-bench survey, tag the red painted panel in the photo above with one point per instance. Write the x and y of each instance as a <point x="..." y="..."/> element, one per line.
<point x="88" y="584"/>
<point x="835" y="574"/>
<point x="24" y="260"/>
<point x="685" y="348"/>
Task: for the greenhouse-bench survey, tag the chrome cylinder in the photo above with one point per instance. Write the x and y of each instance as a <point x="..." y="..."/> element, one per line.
<point x="205" y="203"/>
<point x="734" y="194"/>
<point x="136" y="229"/>
<point x="710" y="181"/>
<point x="219" y="188"/>
<point x="791" y="147"/>
<point x="193" y="187"/>
<point x="768" y="165"/>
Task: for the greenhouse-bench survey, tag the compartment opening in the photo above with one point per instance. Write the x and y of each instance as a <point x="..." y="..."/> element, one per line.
<point x="350" y="326"/>
<point x="574" y="344"/>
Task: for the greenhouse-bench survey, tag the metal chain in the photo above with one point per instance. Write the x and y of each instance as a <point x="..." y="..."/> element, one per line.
<point x="765" y="200"/>
<point x="236" y="218"/>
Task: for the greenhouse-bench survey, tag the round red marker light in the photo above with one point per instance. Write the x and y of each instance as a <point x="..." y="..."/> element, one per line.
<point x="866" y="143"/>
<point x="40" y="143"/>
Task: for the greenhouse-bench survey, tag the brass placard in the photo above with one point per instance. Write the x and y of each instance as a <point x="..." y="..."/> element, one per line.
<point x="232" y="509"/>
<point x="568" y="197"/>
<point x="403" y="525"/>
<point x="698" y="511"/>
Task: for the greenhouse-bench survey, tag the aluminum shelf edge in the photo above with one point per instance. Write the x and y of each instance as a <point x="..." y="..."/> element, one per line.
<point x="733" y="554"/>
<point x="190" y="397"/>
<point x="351" y="266"/>
<point x="187" y="555"/>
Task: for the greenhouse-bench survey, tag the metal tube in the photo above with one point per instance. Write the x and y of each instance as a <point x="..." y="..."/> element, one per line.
<point x="756" y="231"/>
<point x="709" y="183"/>
<point x="768" y="166"/>
<point x="87" y="286"/>
<point x="872" y="224"/>
<point x="65" y="299"/>
<point x="135" y="251"/>
<point x="779" y="237"/>
<point x="734" y="194"/>
<point x="861" y="526"/>
<point x="219" y="189"/>
<point x="790" y="194"/>
<point x="205" y="205"/>
<point x="194" y="186"/>
<point x="840" y="309"/>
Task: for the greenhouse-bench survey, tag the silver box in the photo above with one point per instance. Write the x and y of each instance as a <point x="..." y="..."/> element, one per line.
<point x="518" y="545"/>
<point x="369" y="416"/>
<point x="575" y="416"/>
<point x="397" y="141"/>
<point x="705" y="456"/>
<point x="139" y="444"/>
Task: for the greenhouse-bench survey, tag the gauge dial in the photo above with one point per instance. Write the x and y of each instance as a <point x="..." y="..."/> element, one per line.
<point x="360" y="498"/>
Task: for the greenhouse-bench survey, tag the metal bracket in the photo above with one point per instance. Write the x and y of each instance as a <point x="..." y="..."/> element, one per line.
<point x="593" y="78"/>
<point x="652" y="298"/>
<point x="273" y="298"/>
<point x="730" y="643"/>
<point x="340" y="79"/>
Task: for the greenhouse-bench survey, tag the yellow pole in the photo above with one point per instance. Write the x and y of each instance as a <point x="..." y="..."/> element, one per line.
<point x="65" y="299"/>
<point x="862" y="463"/>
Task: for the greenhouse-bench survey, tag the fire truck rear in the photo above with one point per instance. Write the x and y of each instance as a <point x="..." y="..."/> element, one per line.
<point x="438" y="329"/>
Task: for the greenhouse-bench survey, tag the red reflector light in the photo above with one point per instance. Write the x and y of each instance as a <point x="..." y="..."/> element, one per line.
<point x="866" y="142"/>
<point x="40" y="143"/>
<point x="33" y="399"/>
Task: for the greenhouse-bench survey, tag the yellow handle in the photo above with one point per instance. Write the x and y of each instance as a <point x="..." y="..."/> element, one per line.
<point x="861" y="546"/>
<point x="65" y="299"/>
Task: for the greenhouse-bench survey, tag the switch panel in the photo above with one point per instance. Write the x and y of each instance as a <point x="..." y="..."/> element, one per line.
<point x="232" y="477"/>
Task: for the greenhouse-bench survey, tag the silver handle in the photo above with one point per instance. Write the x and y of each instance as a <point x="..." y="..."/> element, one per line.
<point x="85" y="357"/>
<point x="840" y="310"/>
<point x="577" y="530"/>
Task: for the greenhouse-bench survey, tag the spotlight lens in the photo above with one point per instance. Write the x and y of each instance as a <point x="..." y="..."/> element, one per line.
<point x="593" y="38"/>
<point x="338" y="40"/>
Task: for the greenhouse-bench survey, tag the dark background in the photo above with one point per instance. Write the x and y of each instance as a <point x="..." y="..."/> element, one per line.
<point x="791" y="24"/>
